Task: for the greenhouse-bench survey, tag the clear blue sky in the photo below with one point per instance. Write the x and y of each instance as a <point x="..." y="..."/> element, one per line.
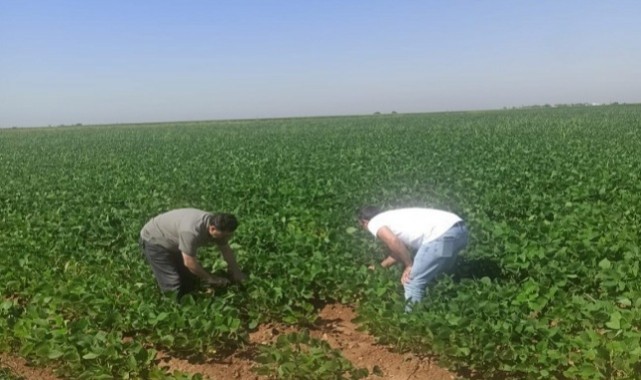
<point x="90" y="62"/>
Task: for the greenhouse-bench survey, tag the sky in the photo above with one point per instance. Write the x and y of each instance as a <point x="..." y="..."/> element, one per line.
<point x="117" y="61"/>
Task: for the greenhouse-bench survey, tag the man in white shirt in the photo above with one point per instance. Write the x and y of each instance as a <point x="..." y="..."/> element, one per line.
<point x="426" y="241"/>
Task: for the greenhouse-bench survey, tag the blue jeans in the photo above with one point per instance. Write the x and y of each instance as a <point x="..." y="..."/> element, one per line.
<point x="432" y="259"/>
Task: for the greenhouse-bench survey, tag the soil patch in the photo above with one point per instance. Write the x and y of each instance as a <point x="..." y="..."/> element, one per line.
<point x="335" y="326"/>
<point x="19" y="366"/>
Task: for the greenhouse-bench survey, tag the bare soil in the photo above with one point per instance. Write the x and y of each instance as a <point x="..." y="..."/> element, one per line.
<point x="334" y="326"/>
<point x="20" y="367"/>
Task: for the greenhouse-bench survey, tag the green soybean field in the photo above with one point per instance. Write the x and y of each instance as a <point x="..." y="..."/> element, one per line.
<point x="548" y="288"/>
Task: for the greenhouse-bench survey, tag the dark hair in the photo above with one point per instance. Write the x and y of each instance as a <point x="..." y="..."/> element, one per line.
<point x="224" y="222"/>
<point x="368" y="212"/>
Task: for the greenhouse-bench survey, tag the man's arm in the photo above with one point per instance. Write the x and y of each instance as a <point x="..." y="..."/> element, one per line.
<point x="232" y="265"/>
<point x="194" y="267"/>
<point x="398" y="251"/>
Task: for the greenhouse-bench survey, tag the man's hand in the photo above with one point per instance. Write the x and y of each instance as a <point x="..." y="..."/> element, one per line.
<point x="388" y="262"/>
<point x="217" y="281"/>
<point x="405" y="278"/>
<point x="238" y="277"/>
<point x="232" y="266"/>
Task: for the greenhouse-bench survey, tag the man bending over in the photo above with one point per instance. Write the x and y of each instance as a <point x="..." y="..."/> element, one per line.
<point x="170" y="242"/>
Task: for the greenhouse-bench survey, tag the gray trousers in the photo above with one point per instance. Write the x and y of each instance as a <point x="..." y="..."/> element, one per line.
<point x="169" y="269"/>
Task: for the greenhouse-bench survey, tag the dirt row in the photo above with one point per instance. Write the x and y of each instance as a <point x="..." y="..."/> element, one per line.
<point x="334" y="325"/>
<point x="19" y="367"/>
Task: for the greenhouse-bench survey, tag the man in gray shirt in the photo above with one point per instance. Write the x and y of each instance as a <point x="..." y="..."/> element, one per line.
<point x="170" y="242"/>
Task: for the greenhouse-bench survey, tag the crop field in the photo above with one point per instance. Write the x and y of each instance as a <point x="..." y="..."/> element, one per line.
<point x="549" y="286"/>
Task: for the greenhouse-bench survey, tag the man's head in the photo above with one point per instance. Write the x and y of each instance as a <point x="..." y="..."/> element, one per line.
<point x="222" y="226"/>
<point x="366" y="213"/>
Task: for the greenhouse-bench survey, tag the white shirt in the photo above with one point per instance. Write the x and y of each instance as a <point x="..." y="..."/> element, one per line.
<point x="414" y="226"/>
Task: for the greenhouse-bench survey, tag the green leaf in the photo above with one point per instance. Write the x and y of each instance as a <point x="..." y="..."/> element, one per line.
<point x="55" y="354"/>
<point x="605" y="264"/>
<point x="624" y="301"/>
<point x="615" y="321"/>
<point x="351" y="230"/>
